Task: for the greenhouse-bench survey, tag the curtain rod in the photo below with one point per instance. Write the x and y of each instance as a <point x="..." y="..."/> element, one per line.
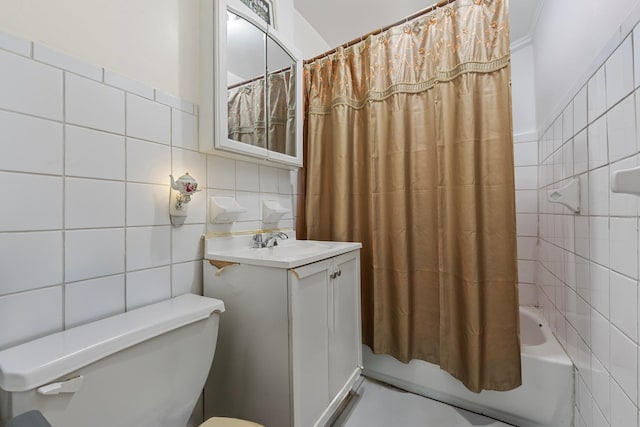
<point x="281" y="70"/>
<point x="385" y="28"/>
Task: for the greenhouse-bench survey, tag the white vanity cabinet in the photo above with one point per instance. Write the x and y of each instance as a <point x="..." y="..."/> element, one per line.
<point x="289" y="345"/>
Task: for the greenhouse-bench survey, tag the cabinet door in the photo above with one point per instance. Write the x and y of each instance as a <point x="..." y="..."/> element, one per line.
<point x="345" y="336"/>
<point x="309" y="286"/>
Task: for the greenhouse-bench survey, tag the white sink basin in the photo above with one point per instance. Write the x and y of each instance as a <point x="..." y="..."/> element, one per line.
<point x="287" y="254"/>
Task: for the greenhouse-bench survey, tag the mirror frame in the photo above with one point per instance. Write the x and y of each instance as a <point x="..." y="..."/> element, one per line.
<point x="213" y="125"/>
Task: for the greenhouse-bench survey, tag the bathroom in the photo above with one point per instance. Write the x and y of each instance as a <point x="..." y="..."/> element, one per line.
<point x="126" y="76"/>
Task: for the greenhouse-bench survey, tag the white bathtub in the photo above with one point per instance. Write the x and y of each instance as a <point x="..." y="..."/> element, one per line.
<point x="545" y="398"/>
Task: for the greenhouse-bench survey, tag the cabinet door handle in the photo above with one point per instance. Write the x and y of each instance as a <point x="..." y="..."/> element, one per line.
<point x="339" y="273"/>
<point x="332" y="276"/>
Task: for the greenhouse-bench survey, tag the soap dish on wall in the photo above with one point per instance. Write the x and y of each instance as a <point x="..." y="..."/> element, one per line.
<point x="626" y="181"/>
<point x="224" y="210"/>
<point x="272" y="211"/>
<point x="569" y="195"/>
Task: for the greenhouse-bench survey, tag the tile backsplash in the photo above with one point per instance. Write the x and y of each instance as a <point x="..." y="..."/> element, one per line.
<point x="587" y="271"/>
<point x="85" y="158"/>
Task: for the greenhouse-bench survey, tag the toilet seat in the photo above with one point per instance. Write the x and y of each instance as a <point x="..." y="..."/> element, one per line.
<point x="228" y="422"/>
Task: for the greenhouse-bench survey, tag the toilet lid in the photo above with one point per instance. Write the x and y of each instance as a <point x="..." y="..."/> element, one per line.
<point x="228" y="422"/>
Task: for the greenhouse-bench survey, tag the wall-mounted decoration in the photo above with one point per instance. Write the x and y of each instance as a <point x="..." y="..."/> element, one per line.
<point x="262" y="8"/>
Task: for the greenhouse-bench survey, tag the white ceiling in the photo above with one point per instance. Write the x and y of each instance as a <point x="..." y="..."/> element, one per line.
<point x="339" y="21"/>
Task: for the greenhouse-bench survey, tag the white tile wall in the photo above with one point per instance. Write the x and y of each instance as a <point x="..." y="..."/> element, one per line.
<point x="94" y="154"/>
<point x="89" y="234"/>
<point x="148" y="120"/>
<point x="30" y="87"/>
<point x="24" y="135"/>
<point x="93" y="104"/>
<point x="29" y="315"/>
<point x="601" y="257"/>
<point x="93" y="253"/>
<point x="93" y="299"/>
<point x="148" y="286"/>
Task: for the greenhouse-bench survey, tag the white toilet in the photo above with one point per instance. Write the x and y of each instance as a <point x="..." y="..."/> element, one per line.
<point x="143" y="368"/>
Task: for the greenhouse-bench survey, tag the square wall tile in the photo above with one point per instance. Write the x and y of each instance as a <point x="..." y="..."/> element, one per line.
<point x="285" y="180"/>
<point x="580" y="110"/>
<point x="596" y="95"/>
<point x="24" y="136"/>
<point x="24" y="251"/>
<point x="527" y="248"/>
<point x="194" y="163"/>
<point x="599" y="240"/>
<point x="197" y="213"/>
<point x="558" y="137"/>
<point x="527" y="224"/>
<point x="583" y="280"/>
<point x="526" y="178"/>
<point x="184" y="130"/>
<point x="524" y="154"/>
<point x="621" y="129"/>
<point x="188" y="244"/>
<point x="148" y="120"/>
<point x="148" y="162"/>
<point x="93" y="253"/>
<point x="624" y="363"/>
<point x="584" y="401"/>
<point x="268" y="179"/>
<point x="30" y="87"/>
<point x="600" y="279"/>
<point x="247" y="176"/>
<point x="624" y="300"/>
<point x="619" y="70"/>
<point x="221" y="173"/>
<point x="567" y="123"/>
<point x="582" y="236"/>
<point x="26" y="316"/>
<point x="94" y="154"/>
<point x="598" y="417"/>
<point x="93" y="105"/>
<point x="148" y="247"/>
<point x="93" y="300"/>
<point x="623" y="410"/>
<point x="599" y="191"/>
<point x="580" y="153"/>
<point x="148" y="286"/>
<point x="252" y="203"/>
<point x="623" y="244"/>
<point x="39" y="209"/>
<point x="147" y="204"/>
<point x="600" y="380"/>
<point x="526" y="201"/>
<point x="91" y="203"/>
<point x="597" y="134"/>
<point x="527" y="294"/>
<point x="526" y="271"/>
<point x="600" y="338"/>
<point x="187" y="278"/>
<point x="584" y="194"/>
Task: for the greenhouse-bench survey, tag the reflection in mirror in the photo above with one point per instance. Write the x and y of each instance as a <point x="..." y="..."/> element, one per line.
<point x="281" y="99"/>
<point x="245" y="79"/>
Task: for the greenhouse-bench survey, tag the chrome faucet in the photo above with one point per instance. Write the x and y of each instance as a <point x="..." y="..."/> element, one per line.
<point x="270" y="241"/>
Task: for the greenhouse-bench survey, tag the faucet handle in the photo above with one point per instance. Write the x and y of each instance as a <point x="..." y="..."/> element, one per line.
<point x="257" y="240"/>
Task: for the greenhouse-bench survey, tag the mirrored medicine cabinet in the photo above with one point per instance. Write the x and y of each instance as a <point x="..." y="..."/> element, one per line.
<point x="250" y="82"/>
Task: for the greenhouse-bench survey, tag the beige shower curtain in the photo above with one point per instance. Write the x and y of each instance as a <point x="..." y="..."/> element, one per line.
<point x="408" y="149"/>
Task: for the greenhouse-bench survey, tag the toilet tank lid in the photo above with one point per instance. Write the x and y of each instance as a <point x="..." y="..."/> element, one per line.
<point x="35" y="363"/>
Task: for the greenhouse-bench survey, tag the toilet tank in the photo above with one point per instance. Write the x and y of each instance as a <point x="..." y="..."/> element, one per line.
<point x="143" y="368"/>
